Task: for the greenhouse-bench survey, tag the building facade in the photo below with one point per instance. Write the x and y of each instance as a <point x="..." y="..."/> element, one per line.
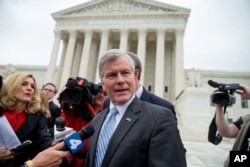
<point x="152" y="30"/>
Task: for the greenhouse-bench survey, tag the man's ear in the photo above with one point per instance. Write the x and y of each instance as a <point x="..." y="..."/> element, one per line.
<point x="136" y="72"/>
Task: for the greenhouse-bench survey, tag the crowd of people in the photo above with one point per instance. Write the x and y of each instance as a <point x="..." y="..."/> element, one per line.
<point x="133" y="127"/>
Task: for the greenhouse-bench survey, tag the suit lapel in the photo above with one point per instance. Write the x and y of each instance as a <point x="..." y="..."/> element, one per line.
<point x="128" y="120"/>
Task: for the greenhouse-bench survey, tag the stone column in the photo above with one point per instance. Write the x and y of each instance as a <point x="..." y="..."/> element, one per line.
<point x="103" y="49"/>
<point x="53" y="57"/>
<point x="141" y="50"/>
<point x="179" y="62"/>
<point x="69" y="57"/>
<point x="61" y="64"/>
<point x="159" y="65"/>
<point x="124" y="39"/>
<point x="85" y="54"/>
<point x="77" y="58"/>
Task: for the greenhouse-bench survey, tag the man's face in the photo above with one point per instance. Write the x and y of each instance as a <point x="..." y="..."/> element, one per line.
<point x="49" y="91"/>
<point x="118" y="80"/>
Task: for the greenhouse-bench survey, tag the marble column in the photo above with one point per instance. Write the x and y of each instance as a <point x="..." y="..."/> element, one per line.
<point x="124" y="39"/>
<point x="159" y="66"/>
<point x="179" y="62"/>
<point x="61" y="63"/>
<point x="69" y="57"/>
<point x="53" y="57"/>
<point x="77" y="58"/>
<point x="141" y="50"/>
<point x="83" y="71"/>
<point x="102" y="50"/>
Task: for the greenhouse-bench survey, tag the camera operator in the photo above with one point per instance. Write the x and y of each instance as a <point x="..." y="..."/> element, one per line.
<point x="239" y="129"/>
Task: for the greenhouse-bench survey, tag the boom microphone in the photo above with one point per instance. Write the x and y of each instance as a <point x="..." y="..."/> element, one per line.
<point x="213" y="84"/>
<point x="73" y="141"/>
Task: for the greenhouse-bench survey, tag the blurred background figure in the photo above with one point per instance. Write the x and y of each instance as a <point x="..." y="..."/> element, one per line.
<point x="49" y="89"/>
<point x="99" y="99"/>
<point x="47" y="113"/>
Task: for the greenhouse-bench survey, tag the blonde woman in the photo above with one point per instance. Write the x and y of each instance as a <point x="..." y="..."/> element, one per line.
<point x="20" y="102"/>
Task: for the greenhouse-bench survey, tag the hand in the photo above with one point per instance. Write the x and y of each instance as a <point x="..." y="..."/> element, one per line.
<point x="50" y="157"/>
<point x="244" y="91"/>
<point x="5" y="154"/>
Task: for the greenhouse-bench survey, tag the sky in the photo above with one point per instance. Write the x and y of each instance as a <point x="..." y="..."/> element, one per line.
<point x="217" y="35"/>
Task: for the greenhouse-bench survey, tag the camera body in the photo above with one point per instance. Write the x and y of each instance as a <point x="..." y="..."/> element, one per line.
<point x="75" y="98"/>
<point x="78" y="91"/>
<point x="224" y="95"/>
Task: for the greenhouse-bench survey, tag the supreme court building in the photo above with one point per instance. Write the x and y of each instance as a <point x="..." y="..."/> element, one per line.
<point x="151" y="29"/>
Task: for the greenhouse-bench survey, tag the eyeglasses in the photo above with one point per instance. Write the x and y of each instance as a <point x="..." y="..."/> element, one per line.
<point x="49" y="90"/>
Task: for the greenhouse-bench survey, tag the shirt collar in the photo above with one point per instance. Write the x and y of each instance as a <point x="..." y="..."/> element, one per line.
<point x="123" y="107"/>
<point x="139" y="91"/>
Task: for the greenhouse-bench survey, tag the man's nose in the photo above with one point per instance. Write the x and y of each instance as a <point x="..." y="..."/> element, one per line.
<point x="120" y="78"/>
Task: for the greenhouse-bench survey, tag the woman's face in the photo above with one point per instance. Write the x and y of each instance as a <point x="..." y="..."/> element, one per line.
<point x="26" y="91"/>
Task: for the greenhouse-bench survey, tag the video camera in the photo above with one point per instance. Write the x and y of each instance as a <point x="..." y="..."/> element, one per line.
<point x="77" y="95"/>
<point x="224" y="95"/>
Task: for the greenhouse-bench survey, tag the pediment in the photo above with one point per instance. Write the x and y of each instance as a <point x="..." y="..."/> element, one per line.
<point x="110" y="7"/>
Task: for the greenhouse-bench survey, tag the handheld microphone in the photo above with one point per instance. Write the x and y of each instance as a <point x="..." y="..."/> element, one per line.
<point x="60" y="131"/>
<point x="73" y="141"/>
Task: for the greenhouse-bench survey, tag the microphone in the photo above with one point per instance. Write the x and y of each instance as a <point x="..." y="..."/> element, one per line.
<point x="60" y="131"/>
<point x="213" y="84"/>
<point x="73" y="141"/>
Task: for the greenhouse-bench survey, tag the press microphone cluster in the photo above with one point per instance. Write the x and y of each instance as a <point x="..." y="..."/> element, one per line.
<point x="73" y="141"/>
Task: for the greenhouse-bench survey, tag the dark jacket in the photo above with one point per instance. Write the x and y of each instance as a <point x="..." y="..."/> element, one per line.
<point x="151" y="98"/>
<point x="147" y="135"/>
<point x="35" y="129"/>
<point x="55" y="112"/>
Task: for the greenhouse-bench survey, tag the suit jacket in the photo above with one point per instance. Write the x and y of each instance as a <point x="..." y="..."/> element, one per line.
<point x="151" y="98"/>
<point x="34" y="128"/>
<point x="147" y="136"/>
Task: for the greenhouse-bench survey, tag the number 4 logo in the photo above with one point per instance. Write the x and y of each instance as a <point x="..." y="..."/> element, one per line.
<point x="74" y="143"/>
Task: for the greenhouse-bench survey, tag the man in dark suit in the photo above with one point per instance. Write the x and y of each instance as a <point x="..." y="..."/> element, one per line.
<point x="144" y="134"/>
<point x="141" y="92"/>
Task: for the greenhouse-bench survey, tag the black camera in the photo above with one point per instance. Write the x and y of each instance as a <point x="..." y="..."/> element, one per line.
<point x="224" y="95"/>
<point x="78" y="91"/>
<point x="76" y="100"/>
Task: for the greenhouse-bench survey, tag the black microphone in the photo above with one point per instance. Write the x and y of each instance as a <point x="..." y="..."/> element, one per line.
<point x="60" y="131"/>
<point x="73" y="141"/>
<point x="213" y="84"/>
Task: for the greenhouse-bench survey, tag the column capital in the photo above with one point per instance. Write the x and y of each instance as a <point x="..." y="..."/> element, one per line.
<point x="179" y="32"/>
<point x="105" y="30"/>
<point x="142" y="30"/>
<point x="57" y="33"/>
<point x="88" y="30"/>
<point x="73" y="32"/>
<point x="161" y="30"/>
<point x="124" y="30"/>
